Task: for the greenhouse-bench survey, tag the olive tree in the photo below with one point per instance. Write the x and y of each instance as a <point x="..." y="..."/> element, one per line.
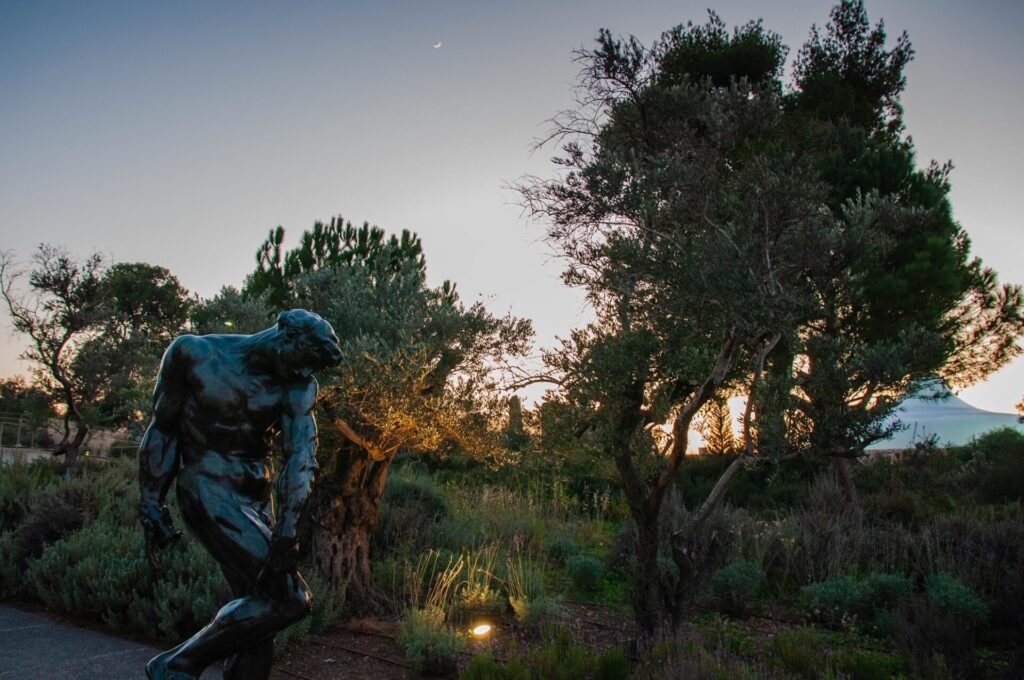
<point x="419" y="375"/>
<point x="95" y="335"/>
<point x="690" y="216"/>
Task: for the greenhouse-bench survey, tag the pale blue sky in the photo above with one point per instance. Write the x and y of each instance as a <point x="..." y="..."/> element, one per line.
<point x="180" y="133"/>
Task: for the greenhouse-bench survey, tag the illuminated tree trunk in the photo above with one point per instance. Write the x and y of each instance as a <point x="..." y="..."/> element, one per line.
<point x="344" y="514"/>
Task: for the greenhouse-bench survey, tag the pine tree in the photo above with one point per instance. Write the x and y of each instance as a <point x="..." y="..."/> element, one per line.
<point x="516" y="438"/>
<point x="716" y="427"/>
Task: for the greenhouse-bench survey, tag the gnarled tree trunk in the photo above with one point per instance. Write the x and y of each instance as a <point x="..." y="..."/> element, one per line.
<point x="653" y="602"/>
<point x="844" y="476"/>
<point x="344" y="511"/>
<point x="71" y="447"/>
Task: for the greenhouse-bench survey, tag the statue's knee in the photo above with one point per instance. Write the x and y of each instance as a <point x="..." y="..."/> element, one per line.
<point x="297" y="605"/>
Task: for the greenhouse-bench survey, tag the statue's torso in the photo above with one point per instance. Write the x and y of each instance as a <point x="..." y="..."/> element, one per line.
<point x="227" y="417"/>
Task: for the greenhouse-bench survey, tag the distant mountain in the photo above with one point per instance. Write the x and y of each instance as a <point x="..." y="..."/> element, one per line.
<point x="935" y="410"/>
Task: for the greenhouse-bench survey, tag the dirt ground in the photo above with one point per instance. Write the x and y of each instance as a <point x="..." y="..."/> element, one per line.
<point x="367" y="649"/>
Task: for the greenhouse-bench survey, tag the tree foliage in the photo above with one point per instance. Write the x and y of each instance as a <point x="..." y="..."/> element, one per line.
<point x="229" y="311"/>
<point x="689" y="217"/>
<point x="899" y="298"/>
<point x="60" y="311"/>
<point x="95" y="334"/>
<point x="333" y="244"/>
<point x="848" y="75"/>
<point x="732" y="236"/>
<point x="419" y="373"/>
<point x="19" y="399"/>
<point x="144" y="308"/>
<point x="715" y="425"/>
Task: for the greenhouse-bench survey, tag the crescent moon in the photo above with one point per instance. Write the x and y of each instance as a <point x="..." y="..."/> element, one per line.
<point x="437" y="45"/>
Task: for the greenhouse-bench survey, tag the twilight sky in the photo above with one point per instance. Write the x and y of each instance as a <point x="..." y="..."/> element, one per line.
<point x="180" y="133"/>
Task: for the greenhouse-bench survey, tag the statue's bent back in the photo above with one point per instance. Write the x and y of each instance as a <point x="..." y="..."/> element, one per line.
<point x="218" y="400"/>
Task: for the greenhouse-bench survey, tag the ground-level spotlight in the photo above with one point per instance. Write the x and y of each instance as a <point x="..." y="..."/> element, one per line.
<point x="481" y="631"/>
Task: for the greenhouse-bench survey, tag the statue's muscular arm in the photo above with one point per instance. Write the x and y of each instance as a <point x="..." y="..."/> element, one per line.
<point x="158" y="453"/>
<point x="298" y="437"/>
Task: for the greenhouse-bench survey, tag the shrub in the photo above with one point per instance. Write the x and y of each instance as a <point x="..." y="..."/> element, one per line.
<point x="612" y="665"/>
<point x="868" y="665"/>
<point x="19" y="484"/>
<point x="484" y="667"/>
<point x="735" y="587"/>
<point x="832" y="601"/>
<point x="429" y="644"/>
<point x="534" y="613"/>
<point x="458" y="532"/>
<point x="884" y="591"/>
<point x="1000" y="444"/>
<point x="328" y="605"/>
<point x="798" y="651"/>
<point x="821" y="540"/>
<point x="881" y="594"/>
<point x="560" y="658"/>
<point x="55" y="513"/>
<point x="949" y="595"/>
<point x="561" y="549"/>
<point x="12" y="576"/>
<point x="586" y="573"/>
<point x="935" y="643"/>
<point x="411" y="506"/>
<point x="985" y="553"/>
<point x="102" y="572"/>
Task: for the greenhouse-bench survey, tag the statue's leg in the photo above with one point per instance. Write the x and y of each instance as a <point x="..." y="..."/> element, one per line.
<point x="253" y="662"/>
<point x="235" y="531"/>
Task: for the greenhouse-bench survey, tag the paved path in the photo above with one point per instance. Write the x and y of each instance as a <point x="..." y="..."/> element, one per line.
<point x="32" y="647"/>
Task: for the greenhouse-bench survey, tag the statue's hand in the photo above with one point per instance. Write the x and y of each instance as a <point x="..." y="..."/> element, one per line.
<point x="283" y="554"/>
<point x="281" y="566"/>
<point x="276" y="585"/>
<point x="159" y="531"/>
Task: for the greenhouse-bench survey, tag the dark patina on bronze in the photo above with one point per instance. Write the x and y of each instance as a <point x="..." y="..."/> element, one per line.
<point x="219" y="399"/>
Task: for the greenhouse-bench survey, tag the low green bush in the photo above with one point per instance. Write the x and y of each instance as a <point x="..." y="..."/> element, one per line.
<point x="935" y="642"/>
<point x="484" y="667"/>
<point x="612" y="665"/>
<point x="562" y="658"/>
<point x="696" y="659"/>
<point x="949" y="595"/>
<point x="19" y="483"/>
<point x="869" y="601"/>
<point x="832" y="602"/>
<point x="328" y="605"/>
<point x="735" y="587"/>
<point x="798" y="651"/>
<point x="534" y="613"/>
<point x="560" y="549"/>
<point x="585" y="572"/>
<point x="430" y="645"/>
<point x="884" y="591"/>
<point x="868" y="665"/>
<point x="102" y="572"/>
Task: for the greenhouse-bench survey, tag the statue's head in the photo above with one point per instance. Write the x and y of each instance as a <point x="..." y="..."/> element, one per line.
<point x="307" y="344"/>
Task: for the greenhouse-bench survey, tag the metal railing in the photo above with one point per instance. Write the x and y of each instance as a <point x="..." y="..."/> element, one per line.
<point x="18" y="433"/>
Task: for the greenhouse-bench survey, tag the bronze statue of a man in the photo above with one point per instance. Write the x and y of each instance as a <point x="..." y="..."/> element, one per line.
<point x="218" y="400"/>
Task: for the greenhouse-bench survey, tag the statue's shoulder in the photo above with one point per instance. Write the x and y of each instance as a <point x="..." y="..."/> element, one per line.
<point x="186" y="349"/>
